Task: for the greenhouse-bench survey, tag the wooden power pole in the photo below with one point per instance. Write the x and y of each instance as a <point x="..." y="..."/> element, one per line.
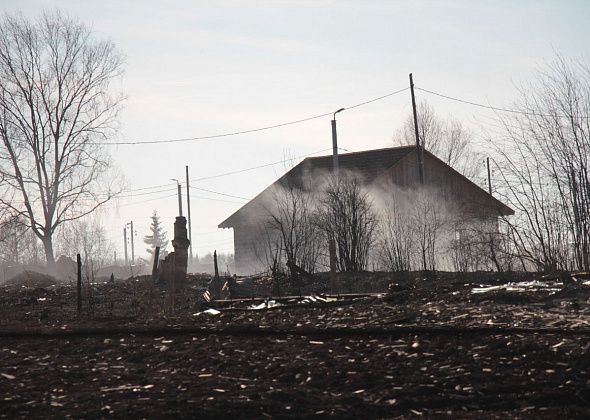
<point x="188" y="213"/>
<point x="125" y="242"/>
<point x="335" y="166"/>
<point x="489" y="176"/>
<point x="132" y="244"/>
<point x="419" y="145"/>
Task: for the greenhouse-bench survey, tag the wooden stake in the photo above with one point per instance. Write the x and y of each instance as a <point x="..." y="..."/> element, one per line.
<point x="332" y="247"/>
<point x="79" y="285"/>
<point x="155" y="264"/>
<point x="216" y="282"/>
<point x="215" y="264"/>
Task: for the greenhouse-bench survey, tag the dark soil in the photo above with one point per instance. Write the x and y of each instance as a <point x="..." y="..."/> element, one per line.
<point x="428" y="348"/>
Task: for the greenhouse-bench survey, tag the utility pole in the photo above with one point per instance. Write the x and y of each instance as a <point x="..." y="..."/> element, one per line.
<point x="125" y="242"/>
<point x="179" y="196"/>
<point x="188" y="211"/>
<point x="419" y="146"/>
<point x="489" y="176"/>
<point x="335" y="144"/>
<point x="179" y="200"/>
<point x="132" y="247"/>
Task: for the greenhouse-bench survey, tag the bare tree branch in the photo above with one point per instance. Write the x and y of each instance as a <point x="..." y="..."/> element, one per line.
<point x="55" y="104"/>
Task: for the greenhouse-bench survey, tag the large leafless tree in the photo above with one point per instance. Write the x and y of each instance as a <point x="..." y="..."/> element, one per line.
<point x="544" y="158"/>
<point x="346" y="214"/>
<point x="396" y="245"/>
<point x="290" y="222"/>
<point x="446" y="138"/>
<point x="56" y="108"/>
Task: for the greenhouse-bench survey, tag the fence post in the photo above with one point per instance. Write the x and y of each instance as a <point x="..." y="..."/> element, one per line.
<point x="155" y="265"/>
<point x="332" y="248"/>
<point x="216" y="282"/>
<point x="79" y="285"/>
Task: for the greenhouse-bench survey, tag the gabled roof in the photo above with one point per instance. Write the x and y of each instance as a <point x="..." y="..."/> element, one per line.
<point x="369" y="164"/>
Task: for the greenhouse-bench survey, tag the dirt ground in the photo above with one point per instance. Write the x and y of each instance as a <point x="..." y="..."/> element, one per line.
<point x="432" y="346"/>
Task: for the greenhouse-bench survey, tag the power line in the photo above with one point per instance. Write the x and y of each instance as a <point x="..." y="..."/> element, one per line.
<point x="266" y="165"/>
<point x="219" y="193"/>
<point x="169" y="196"/>
<point x="215" y="136"/>
<point x="170" y="188"/>
<point x="234" y="172"/>
<point x="145" y="193"/>
<point x="375" y="99"/>
<point x="494" y="108"/>
<point x="253" y="130"/>
<point x="239" y="171"/>
<point x="138" y="202"/>
<point x="216" y="199"/>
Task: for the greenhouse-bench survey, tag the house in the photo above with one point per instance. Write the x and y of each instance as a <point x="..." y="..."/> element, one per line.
<point x="381" y="170"/>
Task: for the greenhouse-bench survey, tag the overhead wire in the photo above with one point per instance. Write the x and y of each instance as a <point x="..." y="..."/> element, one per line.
<point x="139" y="202"/>
<point x="219" y="193"/>
<point x="253" y="130"/>
<point x="266" y="165"/>
<point x="494" y="108"/>
<point x="224" y="174"/>
<point x="173" y="188"/>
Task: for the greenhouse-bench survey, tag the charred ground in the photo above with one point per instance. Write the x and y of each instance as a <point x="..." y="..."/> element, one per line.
<point x="447" y="344"/>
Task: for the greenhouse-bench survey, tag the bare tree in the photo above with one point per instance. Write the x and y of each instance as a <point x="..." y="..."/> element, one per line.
<point x="544" y="158"/>
<point x="55" y="109"/>
<point x="290" y="222"/>
<point x="395" y="240"/>
<point x="476" y="244"/>
<point x="269" y="250"/>
<point x="538" y="230"/>
<point x="18" y="245"/>
<point x="448" y="139"/>
<point x="429" y="216"/>
<point x="346" y="214"/>
<point x="87" y="238"/>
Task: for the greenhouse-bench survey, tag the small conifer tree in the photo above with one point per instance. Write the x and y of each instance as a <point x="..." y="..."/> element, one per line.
<point x="157" y="237"/>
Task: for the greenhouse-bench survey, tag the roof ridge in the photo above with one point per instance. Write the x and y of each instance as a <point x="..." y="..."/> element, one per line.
<point x="408" y="146"/>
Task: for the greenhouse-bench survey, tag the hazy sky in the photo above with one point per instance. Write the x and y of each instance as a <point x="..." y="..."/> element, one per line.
<point x="199" y="68"/>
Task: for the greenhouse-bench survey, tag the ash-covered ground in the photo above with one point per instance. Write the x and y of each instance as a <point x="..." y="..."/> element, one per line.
<point x="463" y="346"/>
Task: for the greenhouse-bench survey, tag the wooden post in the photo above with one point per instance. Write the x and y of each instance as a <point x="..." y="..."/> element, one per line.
<point x="79" y="285"/>
<point x="215" y="264"/>
<point x="489" y="176"/>
<point x="125" y="242"/>
<point x="419" y="144"/>
<point x="216" y="283"/>
<point x="155" y="264"/>
<point x="172" y="283"/>
<point x="332" y="247"/>
<point x="132" y="244"/>
<point x="188" y="213"/>
<point x="154" y="273"/>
